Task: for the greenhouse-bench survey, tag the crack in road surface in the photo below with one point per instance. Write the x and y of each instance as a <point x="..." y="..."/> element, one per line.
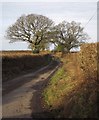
<point x="17" y="98"/>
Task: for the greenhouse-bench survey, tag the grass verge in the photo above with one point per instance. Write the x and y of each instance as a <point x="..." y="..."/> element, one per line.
<point x="72" y="92"/>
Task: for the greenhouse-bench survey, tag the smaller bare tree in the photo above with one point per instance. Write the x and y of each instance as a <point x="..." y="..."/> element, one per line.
<point x="68" y="35"/>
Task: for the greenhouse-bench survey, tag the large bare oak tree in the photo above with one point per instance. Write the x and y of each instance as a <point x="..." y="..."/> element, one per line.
<point x="32" y="29"/>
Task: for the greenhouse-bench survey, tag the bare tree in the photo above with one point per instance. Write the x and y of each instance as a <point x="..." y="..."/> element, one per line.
<point x="68" y="35"/>
<point x="31" y="28"/>
<point x="42" y="47"/>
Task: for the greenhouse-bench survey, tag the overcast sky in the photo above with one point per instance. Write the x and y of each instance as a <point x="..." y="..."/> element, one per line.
<point x="57" y="11"/>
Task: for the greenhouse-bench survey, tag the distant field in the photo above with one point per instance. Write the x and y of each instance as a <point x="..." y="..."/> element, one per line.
<point x="15" y="63"/>
<point x="18" y="53"/>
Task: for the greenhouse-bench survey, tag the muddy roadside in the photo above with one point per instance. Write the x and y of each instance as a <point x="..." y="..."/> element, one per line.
<point x="37" y="102"/>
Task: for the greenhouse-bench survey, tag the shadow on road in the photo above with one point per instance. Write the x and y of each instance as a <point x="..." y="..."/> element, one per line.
<point x="18" y="82"/>
<point x="28" y="85"/>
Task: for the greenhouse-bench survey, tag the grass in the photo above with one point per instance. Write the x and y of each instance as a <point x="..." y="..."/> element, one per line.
<point x="49" y="92"/>
<point x="62" y="83"/>
<point x="72" y="91"/>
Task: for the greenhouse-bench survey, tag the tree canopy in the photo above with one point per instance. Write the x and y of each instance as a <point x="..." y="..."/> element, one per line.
<point x="39" y="31"/>
<point x="68" y="35"/>
<point x="31" y="28"/>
